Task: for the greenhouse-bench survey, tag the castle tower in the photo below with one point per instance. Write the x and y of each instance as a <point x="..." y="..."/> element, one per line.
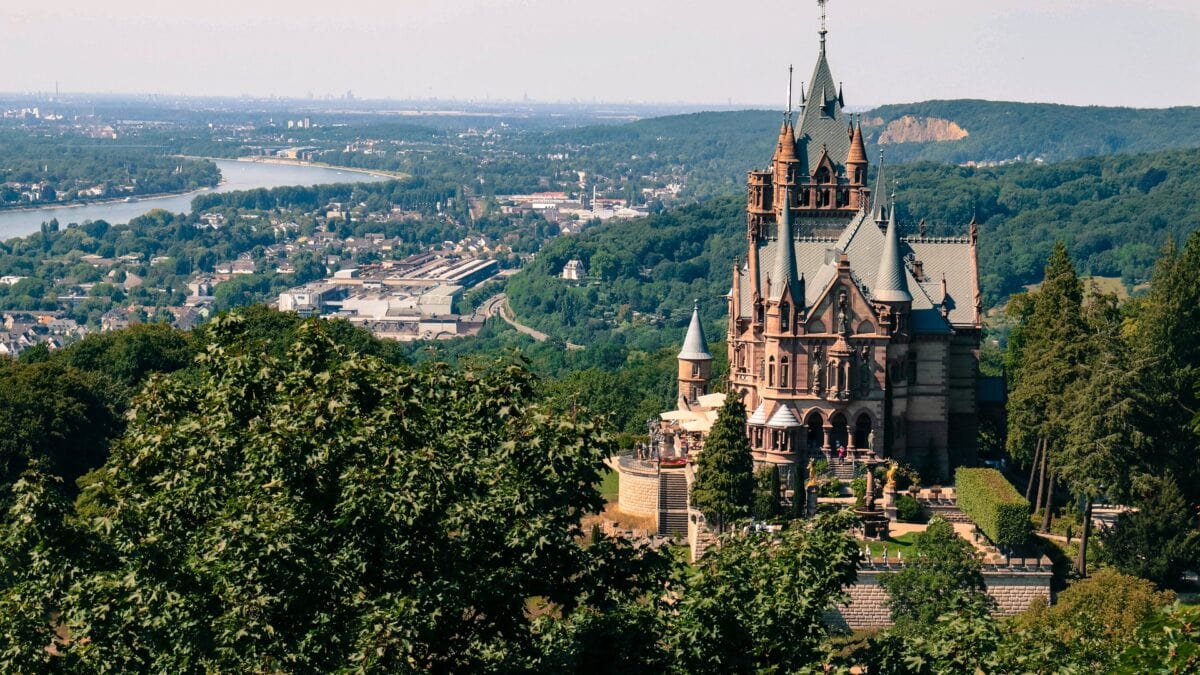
<point x="695" y="363"/>
<point x="845" y="337"/>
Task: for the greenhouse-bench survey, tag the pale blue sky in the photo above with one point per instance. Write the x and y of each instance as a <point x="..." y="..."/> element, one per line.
<point x="1109" y="52"/>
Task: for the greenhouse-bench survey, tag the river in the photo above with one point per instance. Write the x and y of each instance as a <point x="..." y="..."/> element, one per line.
<point x="234" y="176"/>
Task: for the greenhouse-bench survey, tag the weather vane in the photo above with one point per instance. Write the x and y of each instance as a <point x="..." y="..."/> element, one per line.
<point x="821" y="4"/>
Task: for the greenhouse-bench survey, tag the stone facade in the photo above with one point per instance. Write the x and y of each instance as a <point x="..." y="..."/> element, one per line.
<point x="842" y="331"/>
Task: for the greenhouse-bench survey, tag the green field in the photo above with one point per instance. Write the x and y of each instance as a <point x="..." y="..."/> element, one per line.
<point x="610" y="485"/>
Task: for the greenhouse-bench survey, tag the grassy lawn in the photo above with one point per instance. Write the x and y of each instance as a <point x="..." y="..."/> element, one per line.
<point x="903" y="542"/>
<point x="610" y="485"/>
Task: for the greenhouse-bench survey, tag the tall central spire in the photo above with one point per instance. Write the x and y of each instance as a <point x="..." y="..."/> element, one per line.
<point x="823" y="31"/>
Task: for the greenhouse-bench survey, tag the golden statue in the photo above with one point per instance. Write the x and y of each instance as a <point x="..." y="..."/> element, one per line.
<point x="812" y="474"/>
<point x="891" y="477"/>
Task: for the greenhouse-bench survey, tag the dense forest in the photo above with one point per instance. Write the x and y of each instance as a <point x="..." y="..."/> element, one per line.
<point x="70" y="168"/>
<point x="271" y="494"/>
<point x="998" y="131"/>
<point x="1113" y="212"/>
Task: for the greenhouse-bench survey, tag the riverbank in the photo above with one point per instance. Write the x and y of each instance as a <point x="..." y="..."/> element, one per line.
<point x="235" y="176"/>
<point x="129" y="199"/>
<point x="287" y="161"/>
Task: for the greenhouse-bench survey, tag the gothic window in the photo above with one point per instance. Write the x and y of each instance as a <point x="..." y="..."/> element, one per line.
<point x="695" y="370"/>
<point x="785" y="313"/>
<point x="771" y="372"/>
<point x="759" y="314"/>
<point x="785" y="373"/>
<point x="859" y="176"/>
<point x="822" y="175"/>
<point x="804" y="197"/>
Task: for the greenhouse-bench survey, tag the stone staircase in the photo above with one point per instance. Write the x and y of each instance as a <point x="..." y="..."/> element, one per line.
<point x="672" y="504"/>
<point x="843" y="469"/>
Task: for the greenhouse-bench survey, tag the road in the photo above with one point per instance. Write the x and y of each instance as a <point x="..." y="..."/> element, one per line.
<point x="497" y="305"/>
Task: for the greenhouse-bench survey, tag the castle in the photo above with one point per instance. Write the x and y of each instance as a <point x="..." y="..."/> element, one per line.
<point x="845" y="335"/>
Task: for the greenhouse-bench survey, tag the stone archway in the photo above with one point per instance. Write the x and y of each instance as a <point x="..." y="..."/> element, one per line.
<point x="814" y="425"/>
<point x="862" y="432"/>
<point x="838" y="433"/>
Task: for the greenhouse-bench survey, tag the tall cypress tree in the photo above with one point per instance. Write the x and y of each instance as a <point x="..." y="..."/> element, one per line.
<point x="1165" y="339"/>
<point x="1104" y="440"/>
<point x="724" y="487"/>
<point x="1045" y="360"/>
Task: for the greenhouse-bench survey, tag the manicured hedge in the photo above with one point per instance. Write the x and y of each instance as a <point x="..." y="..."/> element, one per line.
<point x="994" y="504"/>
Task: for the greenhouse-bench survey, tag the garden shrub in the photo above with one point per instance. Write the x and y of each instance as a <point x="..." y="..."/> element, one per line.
<point x="994" y="505"/>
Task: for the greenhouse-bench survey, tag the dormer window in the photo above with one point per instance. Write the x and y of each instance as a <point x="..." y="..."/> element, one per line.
<point x="785" y="312"/>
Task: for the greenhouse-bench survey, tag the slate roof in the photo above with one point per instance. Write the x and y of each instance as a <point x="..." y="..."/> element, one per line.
<point x="822" y="124"/>
<point x="863" y="242"/>
<point x="760" y="414"/>
<point x="695" y="347"/>
<point x="891" y="283"/>
<point x="783" y="419"/>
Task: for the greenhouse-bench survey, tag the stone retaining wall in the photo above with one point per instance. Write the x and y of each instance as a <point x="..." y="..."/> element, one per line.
<point x="638" y="494"/>
<point x="1013" y="588"/>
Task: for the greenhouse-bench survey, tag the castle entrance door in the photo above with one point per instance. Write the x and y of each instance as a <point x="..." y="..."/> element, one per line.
<point x="814" y="425"/>
<point x="838" y="435"/>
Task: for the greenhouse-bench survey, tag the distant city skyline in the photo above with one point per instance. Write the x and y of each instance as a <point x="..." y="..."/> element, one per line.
<point x="1104" y="52"/>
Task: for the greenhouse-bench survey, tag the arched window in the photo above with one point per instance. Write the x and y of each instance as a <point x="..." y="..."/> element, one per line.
<point x="785" y="317"/>
<point x="695" y="370"/>
<point x="822" y="175"/>
<point x="785" y="373"/>
<point x="759" y="314"/>
<point x="771" y="372"/>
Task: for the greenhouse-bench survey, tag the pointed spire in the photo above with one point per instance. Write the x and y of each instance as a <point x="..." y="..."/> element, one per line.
<point x="880" y="213"/>
<point x="841" y="101"/>
<point x="787" y="119"/>
<point x="784" y="273"/>
<point x="695" y="347"/>
<point x="858" y="149"/>
<point x="823" y="30"/>
<point x="891" y="283"/>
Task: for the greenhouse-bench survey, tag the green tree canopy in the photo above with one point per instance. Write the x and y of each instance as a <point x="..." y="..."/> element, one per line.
<point x="724" y="486"/>
<point x="326" y="510"/>
<point x="757" y="603"/>
<point x="944" y="571"/>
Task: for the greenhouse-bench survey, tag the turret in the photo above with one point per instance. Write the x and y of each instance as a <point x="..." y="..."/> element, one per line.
<point x="880" y="212"/>
<point x="695" y="363"/>
<point x="785" y="281"/>
<point x="856" y="159"/>
<point x="891" y="284"/>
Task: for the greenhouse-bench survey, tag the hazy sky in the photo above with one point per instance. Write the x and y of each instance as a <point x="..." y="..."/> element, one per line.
<point x="1143" y="53"/>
